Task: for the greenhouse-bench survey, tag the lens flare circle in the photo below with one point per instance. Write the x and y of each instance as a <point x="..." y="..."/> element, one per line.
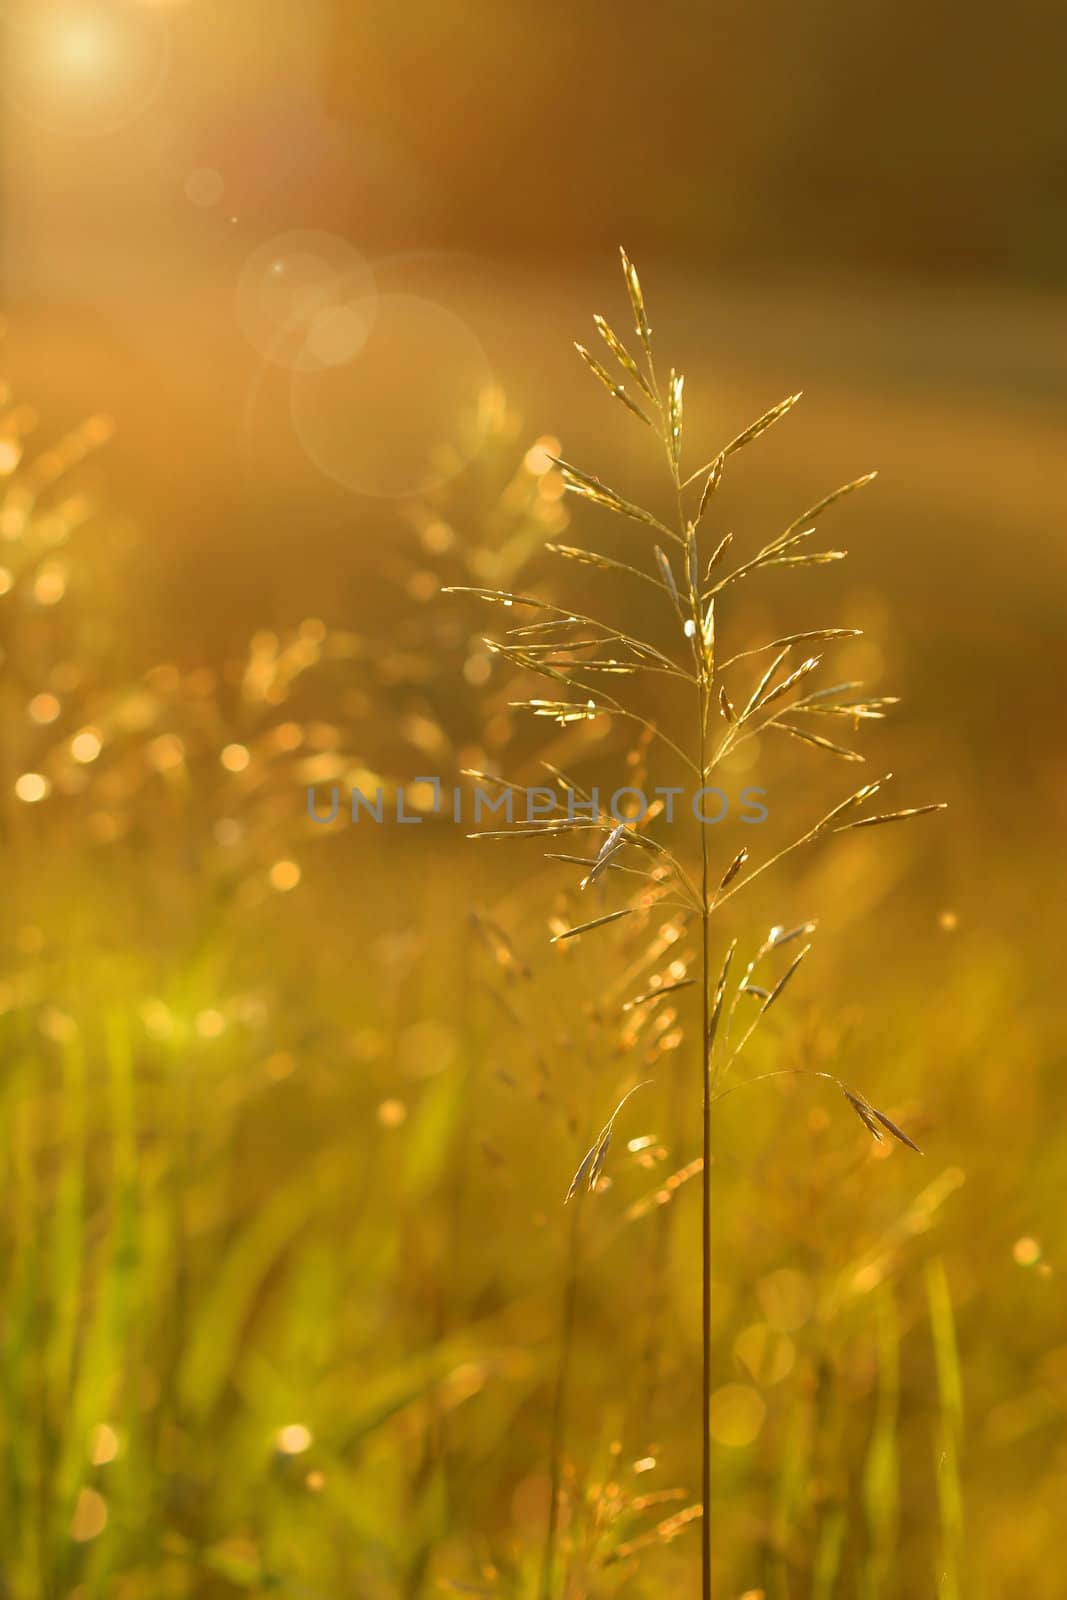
<point x="401" y="416"/>
<point x="293" y="296"/>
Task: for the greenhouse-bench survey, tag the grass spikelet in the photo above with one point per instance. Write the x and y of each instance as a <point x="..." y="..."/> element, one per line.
<point x="864" y="710"/>
<point x="818" y="741"/>
<point x="714" y="478"/>
<point x="853" y="800"/>
<point x="760" y="426"/>
<point x="783" y="688"/>
<point x="591" y="488"/>
<point x="815" y="635"/>
<point x="756" y="697"/>
<point x="616" y="390"/>
<point x="784" y="979"/>
<point x="712" y="1027"/>
<point x="593" y="558"/>
<point x="707" y="642"/>
<point x="675" y="390"/>
<point x="892" y="816"/>
<point x="733" y="869"/>
<point x="806" y="558"/>
<point x="828" y="500"/>
<point x="500" y="597"/>
<point x="671" y="586"/>
<point x="658" y="994"/>
<point x="637" y="302"/>
<point x="592" y="1163"/>
<point x="623" y="356"/>
<point x="781" y="936"/>
<point x="875" y="1121"/>
<point x="611" y="847"/>
<point x="717" y="554"/>
<point x="588" y="927"/>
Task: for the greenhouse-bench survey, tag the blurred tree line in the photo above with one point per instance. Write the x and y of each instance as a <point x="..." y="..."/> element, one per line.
<point x="918" y="134"/>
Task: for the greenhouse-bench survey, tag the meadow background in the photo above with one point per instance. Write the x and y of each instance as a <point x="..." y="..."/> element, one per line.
<point x="285" y="1128"/>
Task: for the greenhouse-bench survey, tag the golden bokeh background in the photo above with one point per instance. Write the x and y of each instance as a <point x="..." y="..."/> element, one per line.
<point x="289" y="299"/>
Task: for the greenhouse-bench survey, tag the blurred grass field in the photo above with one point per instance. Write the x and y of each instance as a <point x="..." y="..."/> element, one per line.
<point x="285" y="1140"/>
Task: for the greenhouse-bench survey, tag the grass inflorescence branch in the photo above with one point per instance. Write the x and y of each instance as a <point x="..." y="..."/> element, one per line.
<point x="727" y="703"/>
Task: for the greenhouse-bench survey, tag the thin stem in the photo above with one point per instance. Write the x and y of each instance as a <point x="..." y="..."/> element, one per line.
<point x="559" y="1402"/>
<point x="704" y="688"/>
<point x="705" y="684"/>
<point x="607" y="702"/>
<point x="779" y="1072"/>
<point x="743" y="883"/>
<point x="705" y="917"/>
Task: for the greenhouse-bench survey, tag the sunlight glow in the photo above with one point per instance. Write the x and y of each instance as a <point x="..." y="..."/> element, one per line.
<point x="82" y="47"/>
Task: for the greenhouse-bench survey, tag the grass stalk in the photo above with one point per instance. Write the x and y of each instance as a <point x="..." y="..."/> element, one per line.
<point x="705" y="1189"/>
<point x="553" y="647"/>
<point x="560" y="1398"/>
<point x="949" y="1430"/>
<point x="703" y="706"/>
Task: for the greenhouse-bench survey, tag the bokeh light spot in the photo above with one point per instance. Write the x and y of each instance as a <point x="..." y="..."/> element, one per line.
<point x="103" y="1445"/>
<point x="538" y="459"/>
<point x="293" y="1439"/>
<point x="166" y="753"/>
<point x="284" y="875"/>
<point x="86" y="745"/>
<point x="736" y="1414"/>
<point x="43" y="708"/>
<point x="235" y="758"/>
<point x="392" y="1113"/>
<point x="90" y="1516"/>
<point x="50" y="584"/>
<point x="31" y="787"/>
<point x="768" y="1356"/>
